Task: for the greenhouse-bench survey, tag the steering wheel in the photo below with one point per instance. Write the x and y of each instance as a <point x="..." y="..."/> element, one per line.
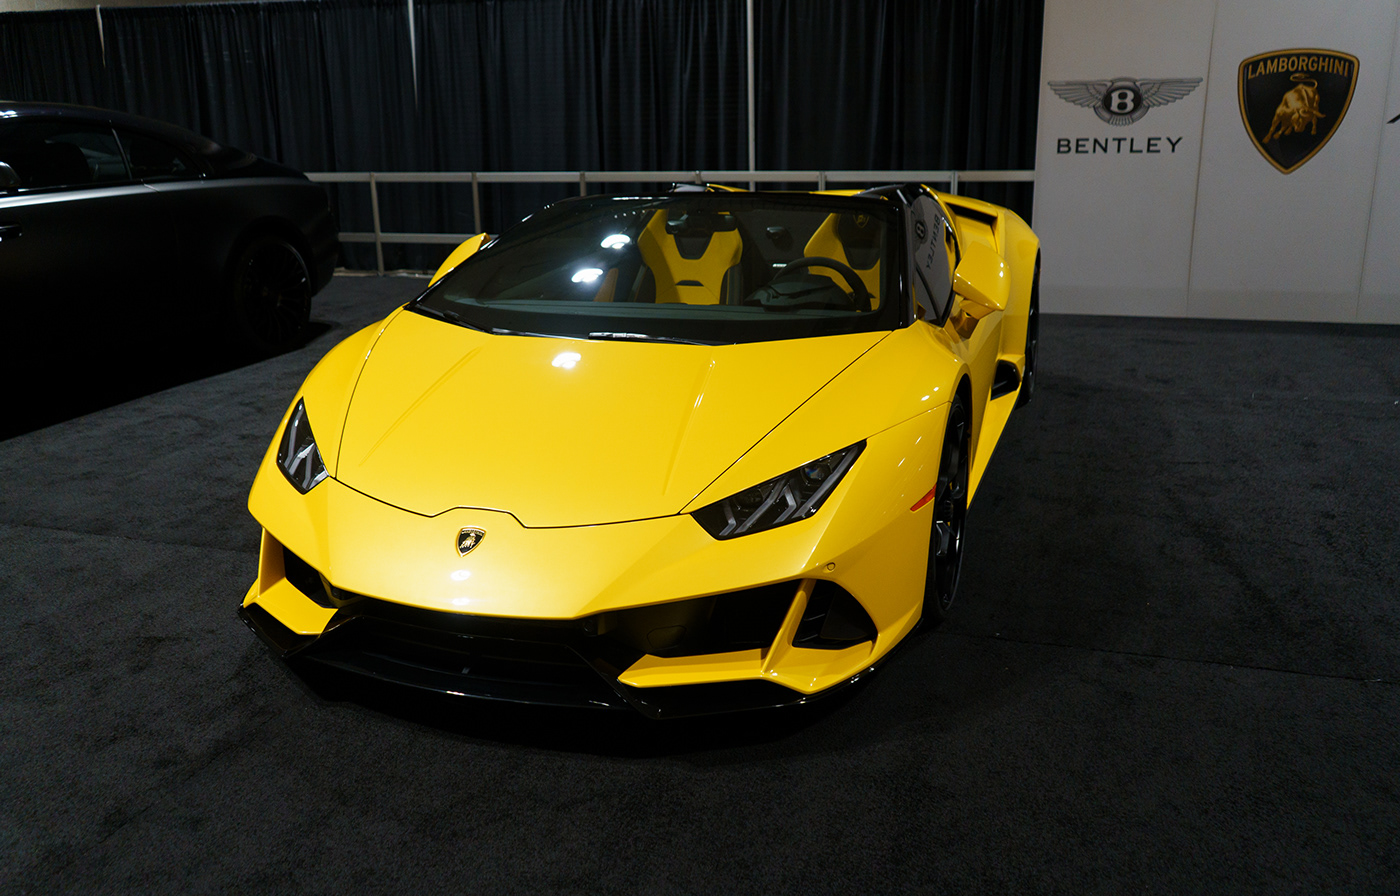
<point x="859" y="294"/>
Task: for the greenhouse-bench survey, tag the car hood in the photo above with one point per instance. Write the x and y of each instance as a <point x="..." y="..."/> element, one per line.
<point x="563" y="432"/>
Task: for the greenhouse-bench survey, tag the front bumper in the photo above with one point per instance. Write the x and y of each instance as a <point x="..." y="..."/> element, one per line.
<point x="541" y="662"/>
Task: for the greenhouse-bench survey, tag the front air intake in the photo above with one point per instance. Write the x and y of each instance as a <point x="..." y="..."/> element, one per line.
<point x="720" y="623"/>
<point x="833" y="619"/>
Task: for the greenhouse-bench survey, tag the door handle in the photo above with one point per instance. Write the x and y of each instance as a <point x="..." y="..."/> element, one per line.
<point x="9" y="231"/>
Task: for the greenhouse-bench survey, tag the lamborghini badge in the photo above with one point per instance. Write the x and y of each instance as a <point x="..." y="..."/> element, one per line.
<point x="1292" y="102"/>
<point x="468" y="539"/>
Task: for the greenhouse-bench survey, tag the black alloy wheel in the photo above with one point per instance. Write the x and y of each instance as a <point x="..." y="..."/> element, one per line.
<point x="271" y="293"/>
<point x="945" y="549"/>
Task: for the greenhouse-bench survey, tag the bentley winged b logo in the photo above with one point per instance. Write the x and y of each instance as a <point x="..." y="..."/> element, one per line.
<point x="1122" y="101"/>
<point x="1292" y="102"/>
<point x="468" y="539"/>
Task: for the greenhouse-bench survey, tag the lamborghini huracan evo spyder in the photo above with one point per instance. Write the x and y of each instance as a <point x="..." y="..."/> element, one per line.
<point x="687" y="453"/>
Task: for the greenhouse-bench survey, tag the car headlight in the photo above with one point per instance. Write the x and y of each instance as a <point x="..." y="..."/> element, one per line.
<point x="784" y="499"/>
<point x="297" y="455"/>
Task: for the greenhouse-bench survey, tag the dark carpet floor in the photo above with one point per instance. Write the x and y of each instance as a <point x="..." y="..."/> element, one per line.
<point x="1174" y="667"/>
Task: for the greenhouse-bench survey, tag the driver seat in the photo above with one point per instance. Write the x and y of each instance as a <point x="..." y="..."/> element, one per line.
<point x="856" y="240"/>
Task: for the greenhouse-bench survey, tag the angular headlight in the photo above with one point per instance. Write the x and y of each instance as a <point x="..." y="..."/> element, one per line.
<point x="793" y="496"/>
<point x="297" y="456"/>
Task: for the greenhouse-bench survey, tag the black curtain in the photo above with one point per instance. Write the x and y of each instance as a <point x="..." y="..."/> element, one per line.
<point x="522" y="85"/>
<point x="900" y="84"/>
<point x="52" y="56"/>
<point x="320" y="86"/>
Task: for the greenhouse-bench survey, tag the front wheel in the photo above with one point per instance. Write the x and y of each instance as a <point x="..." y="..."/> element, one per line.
<point x="945" y="548"/>
<point x="270" y="293"/>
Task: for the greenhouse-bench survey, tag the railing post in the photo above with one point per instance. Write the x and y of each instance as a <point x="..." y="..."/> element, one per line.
<point x="582" y="183"/>
<point x="476" y="203"/>
<point x="953" y="184"/>
<point x="378" y="231"/>
<point x="821" y="180"/>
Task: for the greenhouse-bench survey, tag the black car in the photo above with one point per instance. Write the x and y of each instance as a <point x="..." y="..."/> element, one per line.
<point x="109" y="219"/>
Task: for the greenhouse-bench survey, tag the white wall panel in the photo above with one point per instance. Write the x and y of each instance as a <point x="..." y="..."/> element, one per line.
<point x="1215" y="229"/>
<point x="1114" y="216"/>
<point x="1380" y="280"/>
<point x="1288" y="246"/>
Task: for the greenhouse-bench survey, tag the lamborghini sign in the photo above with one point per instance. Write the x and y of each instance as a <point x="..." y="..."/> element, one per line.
<point x="1292" y="102"/>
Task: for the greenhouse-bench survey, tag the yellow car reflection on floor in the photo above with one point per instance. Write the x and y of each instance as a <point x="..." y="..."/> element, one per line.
<point x="687" y="453"/>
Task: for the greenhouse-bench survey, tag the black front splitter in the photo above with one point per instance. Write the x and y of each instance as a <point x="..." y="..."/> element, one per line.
<point x="548" y="663"/>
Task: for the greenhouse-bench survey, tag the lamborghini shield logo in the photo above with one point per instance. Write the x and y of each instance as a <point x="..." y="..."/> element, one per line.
<point x="1292" y="102"/>
<point x="468" y="539"/>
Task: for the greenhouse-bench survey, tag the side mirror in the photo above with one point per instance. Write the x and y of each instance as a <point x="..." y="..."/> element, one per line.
<point x="459" y="255"/>
<point x="981" y="277"/>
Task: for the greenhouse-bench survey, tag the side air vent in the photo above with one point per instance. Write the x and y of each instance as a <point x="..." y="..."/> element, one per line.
<point x="963" y="211"/>
<point x="1008" y="379"/>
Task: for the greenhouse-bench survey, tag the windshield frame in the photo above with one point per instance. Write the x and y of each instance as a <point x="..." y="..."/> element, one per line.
<point x="715" y="324"/>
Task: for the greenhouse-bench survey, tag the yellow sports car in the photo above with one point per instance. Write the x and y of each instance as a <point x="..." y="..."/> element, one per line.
<point x="687" y="453"/>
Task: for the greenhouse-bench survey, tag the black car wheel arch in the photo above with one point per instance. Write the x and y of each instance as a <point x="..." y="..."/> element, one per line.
<point x="270" y="289"/>
<point x="946" y="536"/>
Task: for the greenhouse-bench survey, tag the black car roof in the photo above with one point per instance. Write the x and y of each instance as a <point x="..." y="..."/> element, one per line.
<point x="220" y="157"/>
<point x="173" y="133"/>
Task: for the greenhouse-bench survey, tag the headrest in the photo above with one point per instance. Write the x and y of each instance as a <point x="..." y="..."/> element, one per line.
<point x="701" y="223"/>
<point x="862" y="237"/>
<point x="859" y="230"/>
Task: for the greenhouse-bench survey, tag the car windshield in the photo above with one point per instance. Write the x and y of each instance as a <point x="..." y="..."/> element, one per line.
<point x="691" y="267"/>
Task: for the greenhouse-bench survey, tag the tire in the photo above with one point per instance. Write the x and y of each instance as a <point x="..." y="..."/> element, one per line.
<point x="1032" y="345"/>
<point x="947" y="533"/>
<point x="270" y="296"/>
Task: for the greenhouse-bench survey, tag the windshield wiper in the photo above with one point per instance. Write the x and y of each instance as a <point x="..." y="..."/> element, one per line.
<point x="645" y="337"/>
<point x="446" y="314"/>
<point x="502" y="331"/>
<point x="439" y="313"/>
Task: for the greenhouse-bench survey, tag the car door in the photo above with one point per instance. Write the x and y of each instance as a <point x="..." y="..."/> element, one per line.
<point x="927" y="229"/>
<point x="81" y="240"/>
<point x="175" y="176"/>
<point x="209" y="214"/>
<point x="969" y="331"/>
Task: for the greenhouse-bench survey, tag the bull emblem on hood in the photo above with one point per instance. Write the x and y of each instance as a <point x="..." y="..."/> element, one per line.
<point x="1286" y="94"/>
<point x="468" y="539"/>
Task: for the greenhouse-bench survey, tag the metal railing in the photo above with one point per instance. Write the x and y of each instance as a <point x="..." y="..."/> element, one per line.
<point x="583" y="178"/>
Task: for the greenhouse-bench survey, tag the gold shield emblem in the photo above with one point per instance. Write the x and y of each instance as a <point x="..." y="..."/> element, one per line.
<point x="1293" y="101"/>
<point x="468" y="539"/>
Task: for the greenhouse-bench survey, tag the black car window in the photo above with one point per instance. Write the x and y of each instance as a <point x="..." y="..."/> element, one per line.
<point x="47" y="154"/>
<point x="153" y="159"/>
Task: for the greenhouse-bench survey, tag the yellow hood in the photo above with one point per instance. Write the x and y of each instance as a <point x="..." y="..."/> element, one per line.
<point x="562" y="432"/>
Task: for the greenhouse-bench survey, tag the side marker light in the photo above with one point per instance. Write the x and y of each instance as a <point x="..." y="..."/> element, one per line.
<point x="926" y="498"/>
